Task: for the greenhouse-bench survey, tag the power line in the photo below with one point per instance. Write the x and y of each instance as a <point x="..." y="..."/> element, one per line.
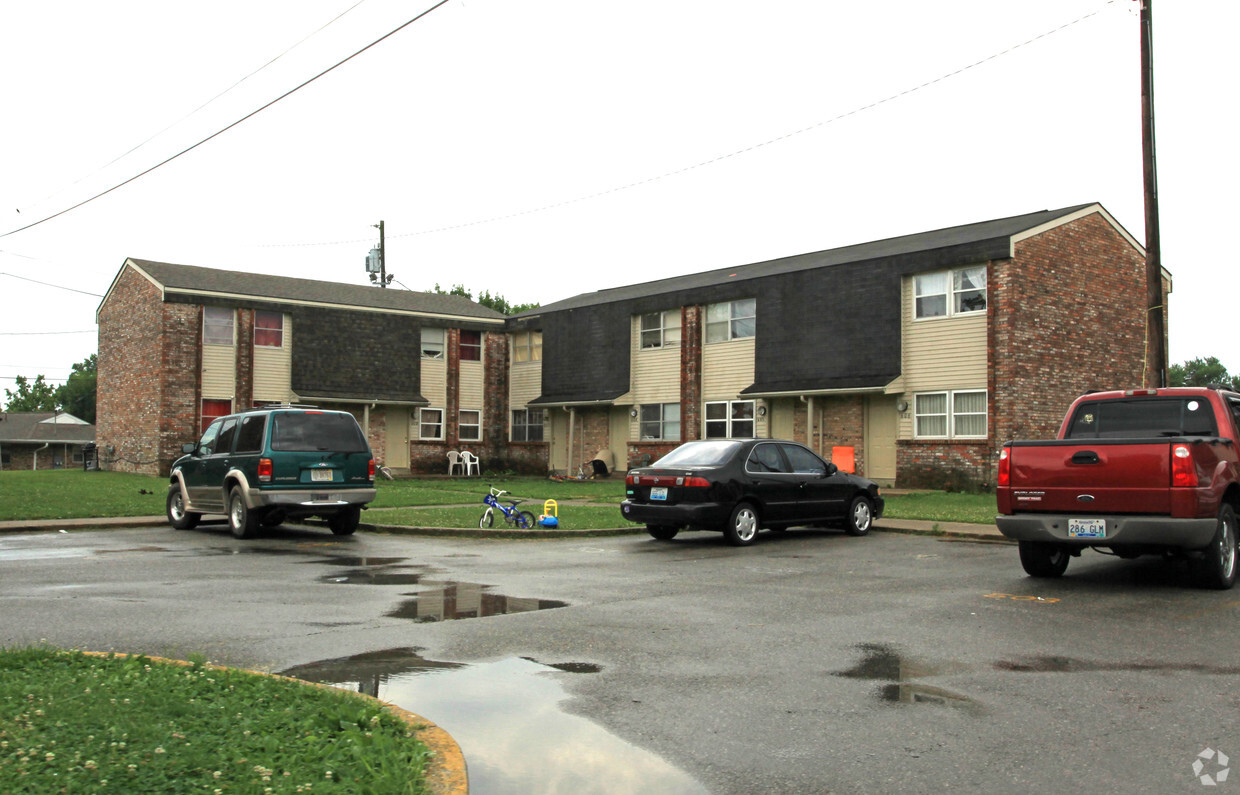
<point x="723" y="157"/>
<point x="43" y="333"/>
<point x="216" y="134"/>
<point x="48" y="284"/>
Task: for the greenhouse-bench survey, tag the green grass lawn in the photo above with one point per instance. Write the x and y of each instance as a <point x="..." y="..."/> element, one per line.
<point x="72" y="722"/>
<point x="455" y="502"/>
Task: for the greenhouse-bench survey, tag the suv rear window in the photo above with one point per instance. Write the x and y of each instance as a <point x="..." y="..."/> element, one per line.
<point x="301" y="432"/>
<point x="1143" y="417"/>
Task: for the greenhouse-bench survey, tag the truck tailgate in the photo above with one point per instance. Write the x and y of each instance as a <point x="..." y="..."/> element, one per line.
<point x="1120" y="476"/>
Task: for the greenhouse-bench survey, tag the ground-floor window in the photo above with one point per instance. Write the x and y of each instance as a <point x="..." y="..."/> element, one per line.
<point x="469" y="425"/>
<point x="212" y="410"/>
<point x="730" y="419"/>
<point x="959" y="414"/>
<point x="430" y="423"/>
<point x="660" y="422"/>
<point x="527" y="425"/>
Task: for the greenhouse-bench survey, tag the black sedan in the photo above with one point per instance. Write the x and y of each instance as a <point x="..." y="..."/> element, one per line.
<point x="742" y="485"/>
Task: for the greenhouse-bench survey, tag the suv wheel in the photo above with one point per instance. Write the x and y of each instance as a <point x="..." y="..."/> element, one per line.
<point x="241" y="520"/>
<point x="1044" y="559"/>
<point x="174" y="509"/>
<point x="1217" y="566"/>
<point x="345" y="521"/>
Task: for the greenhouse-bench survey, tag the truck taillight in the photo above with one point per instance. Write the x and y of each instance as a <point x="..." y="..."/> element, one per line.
<point x="1005" y="467"/>
<point x="1183" y="470"/>
<point x="264" y="470"/>
<point x="370" y="471"/>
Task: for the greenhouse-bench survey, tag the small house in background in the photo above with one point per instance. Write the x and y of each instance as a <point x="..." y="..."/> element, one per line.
<point x="42" y="440"/>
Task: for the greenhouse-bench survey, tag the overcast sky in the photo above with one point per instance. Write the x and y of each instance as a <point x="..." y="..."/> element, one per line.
<point x="545" y="148"/>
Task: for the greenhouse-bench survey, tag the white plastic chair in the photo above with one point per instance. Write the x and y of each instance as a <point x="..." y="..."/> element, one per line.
<point x="471" y="463"/>
<point x="455" y="462"/>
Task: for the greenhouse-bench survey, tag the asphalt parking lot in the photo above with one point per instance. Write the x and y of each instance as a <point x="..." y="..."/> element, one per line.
<point x="810" y="662"/>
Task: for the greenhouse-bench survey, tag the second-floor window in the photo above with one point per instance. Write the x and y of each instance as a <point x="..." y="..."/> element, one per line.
<point x="269" y="329"/>
<point x="731" y="320"/>
<point x="217" y="325"/>
<point x="432" y="343"/>
<point x="659" y="329"/>
<point x="527" y="346"/>
<point x="471" y="346"/>
<point x="660" y="421"/>
<point x="947" y="293"/>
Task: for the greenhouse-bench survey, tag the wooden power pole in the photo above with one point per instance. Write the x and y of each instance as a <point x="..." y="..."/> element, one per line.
<point x="1155" y="329"/>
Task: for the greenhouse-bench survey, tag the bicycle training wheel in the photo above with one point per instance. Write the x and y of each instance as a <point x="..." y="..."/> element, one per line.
<point x="487" y="520"/>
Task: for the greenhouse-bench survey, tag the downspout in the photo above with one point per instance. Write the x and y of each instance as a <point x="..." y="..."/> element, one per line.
<point x="809" y="421"/>
<point x="35" y="464"/>
<point x="572" y="424"/>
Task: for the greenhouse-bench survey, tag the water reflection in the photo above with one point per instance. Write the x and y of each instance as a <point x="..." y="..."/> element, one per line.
<point x="505" y="717"/>
<point x="902" y="674"/>
<point x="453" y="601"/>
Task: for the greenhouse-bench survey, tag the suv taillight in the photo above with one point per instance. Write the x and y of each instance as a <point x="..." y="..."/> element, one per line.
<point x="1005" y="467"/>
<point x="1183" y="470"/>
<point x="264" y="470"/>
<point x="370" y="471"/>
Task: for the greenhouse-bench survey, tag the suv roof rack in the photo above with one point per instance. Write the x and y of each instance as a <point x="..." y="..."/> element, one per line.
<point x="270" y="406"/>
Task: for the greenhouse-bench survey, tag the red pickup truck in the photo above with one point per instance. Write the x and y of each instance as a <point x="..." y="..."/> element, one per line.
<point x="1137" y="472"/>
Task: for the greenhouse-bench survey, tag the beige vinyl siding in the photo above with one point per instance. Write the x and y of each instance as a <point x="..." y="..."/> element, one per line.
<point x="727" y="368"/>
<point x="273" y="369"/>
<point x="219" y="372"/>
<point x="435" y="382"/>
<point x="654" y="377"/>
<point x="939" y="354"/>
<point x="524" y="383"/>
<point x="471" y="385"/>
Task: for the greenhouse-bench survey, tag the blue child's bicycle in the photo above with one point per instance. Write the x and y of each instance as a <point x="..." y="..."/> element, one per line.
<point x="512" y="515"/>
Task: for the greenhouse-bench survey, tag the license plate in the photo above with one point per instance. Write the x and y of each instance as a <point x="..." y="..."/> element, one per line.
<point x="1087" y="528"/>
<point x="658" y="493"/>
<point x="321" y="475"/>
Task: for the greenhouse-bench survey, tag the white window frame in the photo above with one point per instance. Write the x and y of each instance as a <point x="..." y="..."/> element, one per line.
<point x="425" y="422"/>
<point x="662" y="418"/>
<point x="663" y="330"/>
<point x="742" y="315"/>
<point x="949" y="414"/>
<point x="432" y="343"/>
<point x="947" y="285"/>
<point x="526" y="346"/>
<point x="216" y="324"/>
<point x="526" y="424"/>
<point x="476" y="425"/>
<point x="258" y="328"/>
<point x="730" y="420"/>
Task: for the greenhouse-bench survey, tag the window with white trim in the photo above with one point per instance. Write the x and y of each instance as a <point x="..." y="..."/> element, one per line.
<point x="731" y="320"/>
<point x="527" y="346"/>
<point x="527" y="425"/>
<point x="432" y="343"/>
<point x="660" y="329"/>
<point x="730" y="419"/>
<point x="469" y="425"/>
<point x="950" y="415"/>
<point x="430" y="423"/>
<point x="268" y="329"/>
<point x="948" y="293"/>
<point x="660" y="422"/>
<point x="217" y="325"/>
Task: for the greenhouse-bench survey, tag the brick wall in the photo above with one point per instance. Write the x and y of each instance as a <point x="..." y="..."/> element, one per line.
<point x="690" y="374"/>
<point x="842" y="425"/>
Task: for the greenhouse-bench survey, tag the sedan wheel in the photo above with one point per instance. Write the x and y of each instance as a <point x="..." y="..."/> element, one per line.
<point x="743" y="526"/>
<point x="662" y="532"/>
<point x="860" y="517"/>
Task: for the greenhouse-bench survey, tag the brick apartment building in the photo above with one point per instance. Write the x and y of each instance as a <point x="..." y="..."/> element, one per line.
<point x="908" y="360"/>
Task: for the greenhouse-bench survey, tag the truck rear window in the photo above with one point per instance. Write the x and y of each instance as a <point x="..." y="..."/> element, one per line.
<point x="316" y="432"/>
<point x="1142" y="418"/>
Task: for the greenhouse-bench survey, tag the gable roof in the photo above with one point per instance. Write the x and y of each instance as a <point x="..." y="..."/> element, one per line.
<point x="38" y="427"/>
<point x="192" y="281"/>
<point x="985" y="240"/>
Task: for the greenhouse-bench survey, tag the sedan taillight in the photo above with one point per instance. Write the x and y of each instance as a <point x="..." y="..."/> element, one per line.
<point x="264" y="470"/>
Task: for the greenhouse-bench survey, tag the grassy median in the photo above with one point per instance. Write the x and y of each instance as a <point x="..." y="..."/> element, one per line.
<point x="73" y="722"/>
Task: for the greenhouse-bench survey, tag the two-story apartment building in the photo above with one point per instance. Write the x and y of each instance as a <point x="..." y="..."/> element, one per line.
<point x="909" y="360"/>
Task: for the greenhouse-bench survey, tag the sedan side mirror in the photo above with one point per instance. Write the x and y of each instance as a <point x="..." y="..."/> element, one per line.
<point x="831" y="470"/>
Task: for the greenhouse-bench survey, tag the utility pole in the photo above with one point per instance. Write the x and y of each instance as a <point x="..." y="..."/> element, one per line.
<point x="382" y="279"/>
<point x="1156" y="336"/>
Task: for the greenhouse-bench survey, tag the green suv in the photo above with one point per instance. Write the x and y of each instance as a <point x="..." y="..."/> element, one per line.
<point x="274" y="463"/>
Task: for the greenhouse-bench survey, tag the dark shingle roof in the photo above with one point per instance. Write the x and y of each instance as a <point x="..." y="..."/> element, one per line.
<point x="991" y="239"/>
<point x="191" y="279"/>
<point x="30" y="427"/>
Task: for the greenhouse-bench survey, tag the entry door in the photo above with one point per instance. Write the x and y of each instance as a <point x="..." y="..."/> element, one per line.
<point x="397" y="442"/>
<point x="882" y="420"/>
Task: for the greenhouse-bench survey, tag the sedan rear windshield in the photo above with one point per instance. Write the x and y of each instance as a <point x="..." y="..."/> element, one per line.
<point x="1143" y="417"/>
<point x="699" y="454"/>
<point x="306" y="432"/>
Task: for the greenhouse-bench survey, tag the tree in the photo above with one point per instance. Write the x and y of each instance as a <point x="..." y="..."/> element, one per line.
<point x="496" y="302"/>
<point x="1202" y="372"/>
<point x="36" y="395"/>
<point x="77" y="395"/>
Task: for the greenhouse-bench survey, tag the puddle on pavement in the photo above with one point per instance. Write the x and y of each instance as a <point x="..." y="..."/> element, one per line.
<point x="505" y="717"/>
<point x="901" y="674"/>
<point x="1069" y="665"/>
<point x="398" y="576"/>
<point x="454" y="601"/>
